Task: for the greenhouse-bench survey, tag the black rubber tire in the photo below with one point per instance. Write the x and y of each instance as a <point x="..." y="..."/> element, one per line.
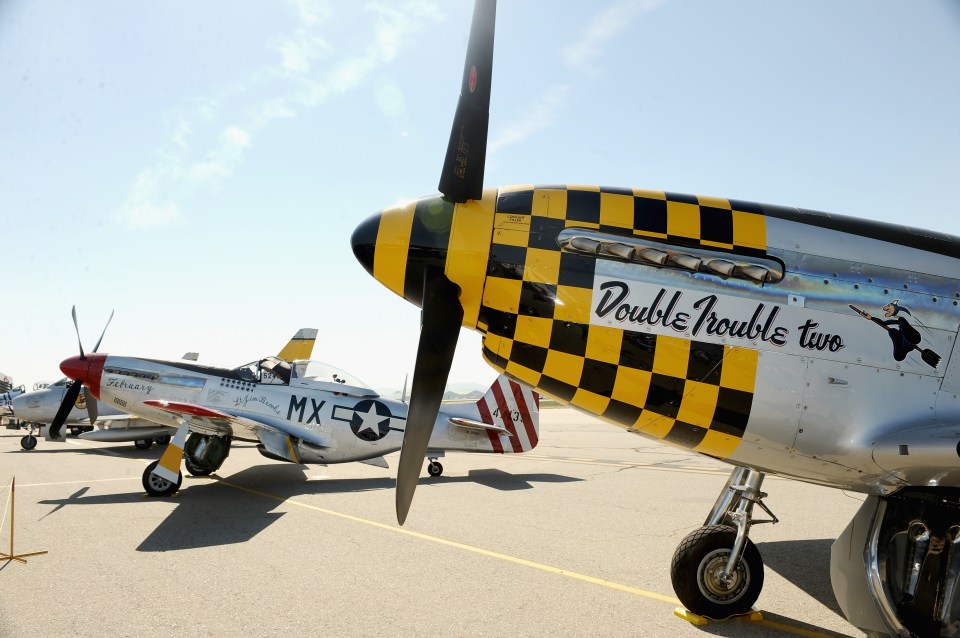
<point x="156" y="486"/>
<point x="700" y="557"/>
<point x="434" y="469"/>
<point x="163" y="439"/>
<point x="28" y="442"/>
<point x="195" y="470"/>
<point x="74" y="431"/>
<point x="143" y="444"/>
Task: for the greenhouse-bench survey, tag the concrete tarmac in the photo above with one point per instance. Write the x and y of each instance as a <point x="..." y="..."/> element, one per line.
<point x="572" y="539"/>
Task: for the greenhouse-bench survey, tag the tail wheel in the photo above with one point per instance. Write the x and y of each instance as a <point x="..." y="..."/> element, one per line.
<point x="697" y="573"/>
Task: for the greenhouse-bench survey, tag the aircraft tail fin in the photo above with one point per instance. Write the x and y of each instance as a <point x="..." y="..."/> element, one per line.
<point x="301" y="346"/>
<point x="516" y="408"/>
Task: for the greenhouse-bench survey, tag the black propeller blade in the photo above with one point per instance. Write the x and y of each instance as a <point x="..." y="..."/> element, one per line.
<point x="442" y="315"/>
<point x="69" y="398"/>
<point x="462" y="175"/>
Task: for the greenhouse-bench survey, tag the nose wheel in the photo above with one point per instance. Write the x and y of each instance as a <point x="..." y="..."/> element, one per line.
<point x="157" y="485"/>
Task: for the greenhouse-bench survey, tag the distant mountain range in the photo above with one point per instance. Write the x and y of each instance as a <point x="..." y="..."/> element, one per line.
<point x="455" y="392"/>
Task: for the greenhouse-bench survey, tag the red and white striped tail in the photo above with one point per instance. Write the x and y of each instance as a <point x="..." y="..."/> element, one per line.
<point x="516" y="408"/>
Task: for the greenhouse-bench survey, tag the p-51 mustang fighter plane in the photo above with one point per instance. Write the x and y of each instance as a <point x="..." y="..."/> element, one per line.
<point x="724" y="327"/>
<point x="116" y="425"/>
<point x="304" y="412"/>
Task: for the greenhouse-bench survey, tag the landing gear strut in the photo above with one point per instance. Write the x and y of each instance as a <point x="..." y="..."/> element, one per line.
<point x="201" y="453"/>
<point x="716" y="570"/>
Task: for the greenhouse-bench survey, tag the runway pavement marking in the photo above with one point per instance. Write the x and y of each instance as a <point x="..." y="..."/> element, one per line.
<point x="464" y="546"/>
<point x="800" y="631"/>
<point x="127" y="478"/>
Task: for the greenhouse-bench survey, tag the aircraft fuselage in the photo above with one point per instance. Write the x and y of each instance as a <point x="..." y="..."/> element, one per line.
<point x="732" y="329"/>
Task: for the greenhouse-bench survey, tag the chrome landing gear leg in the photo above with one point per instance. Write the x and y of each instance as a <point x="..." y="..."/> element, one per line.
<point x="717" y="571"/>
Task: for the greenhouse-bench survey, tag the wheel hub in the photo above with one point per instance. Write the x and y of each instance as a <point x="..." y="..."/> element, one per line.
<point x="712" y="582"/>
<point x="158" y="483"/>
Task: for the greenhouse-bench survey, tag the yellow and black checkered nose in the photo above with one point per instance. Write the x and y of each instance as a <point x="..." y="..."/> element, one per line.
<point x="397" y="244"/>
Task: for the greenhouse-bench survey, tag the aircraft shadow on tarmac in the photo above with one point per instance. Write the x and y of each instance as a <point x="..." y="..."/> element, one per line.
<point x="211" y="512"/>
<point x="806" y="564"/>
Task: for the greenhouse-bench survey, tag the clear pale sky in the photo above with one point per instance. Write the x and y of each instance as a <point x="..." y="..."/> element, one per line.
<point x="199" y="167"/>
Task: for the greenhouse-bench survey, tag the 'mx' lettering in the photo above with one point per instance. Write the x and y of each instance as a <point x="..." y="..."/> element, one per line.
<point x="299" y="404"/>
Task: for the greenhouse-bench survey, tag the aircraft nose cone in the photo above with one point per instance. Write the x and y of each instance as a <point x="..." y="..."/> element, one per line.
<point x="364" y="241"/>
<point x="86" y="370"/>
<point x="74" y="367"/>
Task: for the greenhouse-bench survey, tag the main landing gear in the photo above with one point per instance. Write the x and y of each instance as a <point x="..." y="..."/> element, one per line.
<point x="202" y="455"/>
<point x="716" y="570"/>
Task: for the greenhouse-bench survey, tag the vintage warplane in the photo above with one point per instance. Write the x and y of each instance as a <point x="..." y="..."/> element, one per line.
<point x="40" y="407"/>
<point x="729" y="328"/>
<point x="6" y="400"/>
<point x="300" y="412"/>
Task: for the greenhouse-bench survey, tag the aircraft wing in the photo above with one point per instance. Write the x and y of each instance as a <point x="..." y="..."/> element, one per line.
<point x="470" y="424"/>
<point x="209" y="420"/>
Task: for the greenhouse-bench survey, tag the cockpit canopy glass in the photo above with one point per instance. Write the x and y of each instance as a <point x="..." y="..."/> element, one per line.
<point x="320" y="371"/>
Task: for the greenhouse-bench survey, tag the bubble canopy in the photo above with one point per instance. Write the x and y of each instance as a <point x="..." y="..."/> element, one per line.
<point x="319" y="371"/>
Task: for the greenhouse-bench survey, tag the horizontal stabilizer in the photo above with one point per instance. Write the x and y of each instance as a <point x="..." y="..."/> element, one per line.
<point x="377" y="461"/>
<point x="470" y="424"/>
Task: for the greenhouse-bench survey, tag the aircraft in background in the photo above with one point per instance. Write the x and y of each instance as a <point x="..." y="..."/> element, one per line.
<point x="737" y="330"/>
<point x="6" y="400"/>
<point x="300" y="412"/>
<point x="115" y="425"/>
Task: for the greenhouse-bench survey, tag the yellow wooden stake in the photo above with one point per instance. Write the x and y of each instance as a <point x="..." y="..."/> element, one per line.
<point x="11" y="556"/>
